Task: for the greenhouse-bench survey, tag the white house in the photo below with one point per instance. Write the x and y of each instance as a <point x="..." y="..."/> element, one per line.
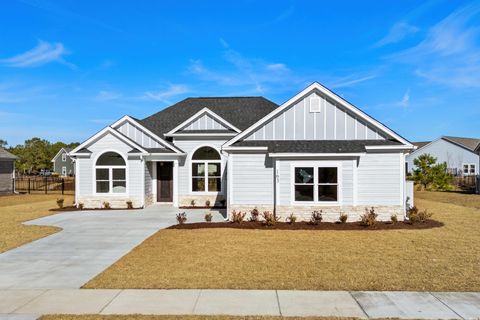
<point x="460" y="154"/>
<point x="314" y="152"/>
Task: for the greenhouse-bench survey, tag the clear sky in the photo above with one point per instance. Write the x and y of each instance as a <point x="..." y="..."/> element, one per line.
<point x="69" y="68"/>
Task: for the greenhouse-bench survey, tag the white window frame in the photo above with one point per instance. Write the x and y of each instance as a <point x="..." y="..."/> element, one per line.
<point x="470" y="166"/>
<point x="315" y="165"/>
<point x="64" y="157"/>
<point x="192" y="161"/>
<point x="64" y="171"/>
<point x="110" y="175"/>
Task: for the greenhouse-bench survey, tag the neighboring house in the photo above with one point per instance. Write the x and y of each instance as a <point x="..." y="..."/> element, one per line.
<point x="63" y="164"/>
<point x="460" y="154"/>
<point x="7" y="172"/>
<point x="314" y="152"/>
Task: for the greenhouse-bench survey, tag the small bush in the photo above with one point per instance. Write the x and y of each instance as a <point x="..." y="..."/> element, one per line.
<point x="181" y="218"/>
<point x="394" y="218"/>
<point x="369" y="218"/>
<point x="238" y="217"/>
<point x="291" y="218"/>
<point x="80" y="206"/>
<point x="343" y="218"/>
<point x="192" y="203"/>
<point x="208" y="217"/>
<point x="269" y="219"/>
<point x="254" y="214"/>
<point x="316" y="217"/>
<point x="129" y="204"/>
<point x="414" y="215"/>
<point x="207" y="203"/>
<point x="60" y="203"/>
<point x="106" y="205"/>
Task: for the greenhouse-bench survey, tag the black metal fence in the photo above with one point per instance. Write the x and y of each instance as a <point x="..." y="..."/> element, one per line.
<point x="33" y="184"/>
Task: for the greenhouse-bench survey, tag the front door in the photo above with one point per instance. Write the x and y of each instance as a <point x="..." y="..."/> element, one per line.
<point x="164" y="181"/>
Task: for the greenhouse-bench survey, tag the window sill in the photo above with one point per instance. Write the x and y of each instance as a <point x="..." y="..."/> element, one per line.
<point x="317" y="204"/>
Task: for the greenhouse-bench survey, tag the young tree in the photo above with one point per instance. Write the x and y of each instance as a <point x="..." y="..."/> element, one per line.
<point x="3" y="143"/>
<point x="430" y="174"/>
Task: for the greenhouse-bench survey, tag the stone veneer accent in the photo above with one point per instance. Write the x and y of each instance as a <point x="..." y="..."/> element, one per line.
<point x="329" y="214"/>
<point x="149" y="199"/>
<point x="185" y="201"/>
<point x="115" y="202"/>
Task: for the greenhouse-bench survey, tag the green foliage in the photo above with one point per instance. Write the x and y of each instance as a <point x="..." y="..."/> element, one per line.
<point x="343" y="218"/>
<point x="394" y="218"/>
<point x="208" y="217"/>
<point x="414" y="215"/>
<point x="291" y="218"/>
<point x="36" y="154"/>
<point x="316" y="217"/>
<point x="430" y="175"/>
<point x="3" y="143"/>
<point x="369" y="219"/>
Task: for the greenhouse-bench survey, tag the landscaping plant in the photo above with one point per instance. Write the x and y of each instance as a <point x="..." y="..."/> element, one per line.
<point x="343" y="217"/>
<point x="254" y="214"/>
<point x="60" y="203"/>
<point x="432" y="175"/>
<point x="269" y="219"/>
<point x="181" y="217"/>
<point x="394" y="218"/>
<point x="238" y="217"/>
<point x="316" y="217"/>
<point x="291" y="218"/>
<point x="207" y="203"/>
<point x="106" y="205"/>
<point x="80" y="206"/>
<point x="414" y="215"/>
<point x="369" y="218"/>
<point x="129" y="204"/>
<point x="208" y="217"/>
<point x="192" y="203"/>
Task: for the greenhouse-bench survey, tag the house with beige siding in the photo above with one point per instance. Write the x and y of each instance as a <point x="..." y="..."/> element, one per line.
<point x="316" y="151"/>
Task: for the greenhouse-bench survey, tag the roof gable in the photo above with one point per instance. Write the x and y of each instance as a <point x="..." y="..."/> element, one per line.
<point x="204" y="120"/>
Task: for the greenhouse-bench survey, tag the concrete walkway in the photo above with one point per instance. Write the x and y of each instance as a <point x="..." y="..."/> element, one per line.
<point x="89" y="243"/>
<point x="30" y="304"/>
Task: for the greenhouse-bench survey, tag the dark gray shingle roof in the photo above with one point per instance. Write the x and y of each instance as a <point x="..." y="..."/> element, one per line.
<point x="159" y="150"/>
<point x="207" y="131"/>
<point x="316" y="146"/>
<point x="420" y="144"/>
<point x="241" y="112"/>
<point x="469" y="143"/>
<point x="4" y="154"/>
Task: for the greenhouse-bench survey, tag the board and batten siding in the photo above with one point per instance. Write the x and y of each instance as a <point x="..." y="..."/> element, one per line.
<point x="454" y="155"/>
<point x="332" y="122"/>
<point x="138" y="135"/>
<point x="204" y="122"/>
<point x="380" y="179"/>
<point x="252" y="180"/>
<point x="86" y="175"/>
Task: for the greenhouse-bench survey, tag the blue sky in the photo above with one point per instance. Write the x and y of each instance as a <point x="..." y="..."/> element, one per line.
<point x="69" y="68"/>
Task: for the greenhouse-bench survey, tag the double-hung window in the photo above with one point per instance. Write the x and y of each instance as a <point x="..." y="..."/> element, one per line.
<point x="316" y="184"/>
<point x="111" y="173"/>
<point x="469" y="169"/>
<point x="206" y="170"/>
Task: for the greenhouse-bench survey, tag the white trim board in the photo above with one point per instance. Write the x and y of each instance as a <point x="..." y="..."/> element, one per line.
<point x="314" y="155"/>
<point x="329" y="94"/>
<point x="200" y="113"/>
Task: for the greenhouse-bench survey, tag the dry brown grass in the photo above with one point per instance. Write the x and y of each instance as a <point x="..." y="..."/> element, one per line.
<point x="461" y="199"/>
<point x="20" y="208"/>
<point x="148" y="317"/>
<point x="445" y="258"/>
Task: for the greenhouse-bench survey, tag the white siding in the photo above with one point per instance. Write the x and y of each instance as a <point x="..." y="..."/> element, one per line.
<point x="204" y="122"/>
<point x="379" y="179"/>
<point x="333" y="122"/>
<point x="149" y="178"/>
<point x="448" y="152"/>
<point x="138" y="135"/>
<point x="252" y="179"/>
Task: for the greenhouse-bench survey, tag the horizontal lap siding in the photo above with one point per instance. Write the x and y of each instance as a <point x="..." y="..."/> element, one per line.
<point x="252" y="179"/>
<point x="379" y="179"/>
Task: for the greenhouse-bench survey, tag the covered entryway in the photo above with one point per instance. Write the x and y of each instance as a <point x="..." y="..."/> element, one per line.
<point x="165" y="181"/>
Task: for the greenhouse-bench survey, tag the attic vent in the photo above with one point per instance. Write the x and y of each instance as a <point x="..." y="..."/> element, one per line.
<point x="315" y="104"/>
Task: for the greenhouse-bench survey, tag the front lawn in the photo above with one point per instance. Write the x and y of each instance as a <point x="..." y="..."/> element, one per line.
<point x="438" y="259"/>
<point x="16" y="209"/>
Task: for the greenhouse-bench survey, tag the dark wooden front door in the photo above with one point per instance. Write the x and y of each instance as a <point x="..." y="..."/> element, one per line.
<point x="164" y="181"/>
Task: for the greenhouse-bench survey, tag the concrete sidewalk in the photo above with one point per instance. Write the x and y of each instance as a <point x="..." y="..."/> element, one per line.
<point x="29" y="304"/>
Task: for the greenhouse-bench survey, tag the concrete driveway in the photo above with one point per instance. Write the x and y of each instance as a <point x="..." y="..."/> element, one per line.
<point x="90" y="242"/>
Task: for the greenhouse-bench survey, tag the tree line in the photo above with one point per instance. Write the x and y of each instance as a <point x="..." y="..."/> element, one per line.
<point x="35" y="154"/>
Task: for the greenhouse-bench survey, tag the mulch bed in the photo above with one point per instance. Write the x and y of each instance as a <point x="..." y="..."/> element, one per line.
<point x="306" y="226"/>
<point x="204" y="207"/>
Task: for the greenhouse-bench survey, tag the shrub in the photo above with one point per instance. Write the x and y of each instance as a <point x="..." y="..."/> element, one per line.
<point x="430" y="174"/>
<point x="207" y="203"/>
<point x="254" y="215"/>
<point x="60" y="203"/>
<point x="414" y="215"/>
<point x="369" y="218"/>
<point x="343" y="217"/>
<point x="181" y="218"/>
<point x="269" y="219"/>
<point x="80" y="206"/>
<point x="192" y="203"/>
<point x="394" y="218"/>
<point x="291" y="218"/>
<point x="129" y="204"/>
<point x="208" y="217"/>
<point x="316" y="217"/>
<point x="237" y="217"/>
<point x="106" y="205"/>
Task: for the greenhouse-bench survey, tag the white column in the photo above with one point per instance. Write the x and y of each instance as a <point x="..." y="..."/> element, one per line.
<point x="175" y="183"/>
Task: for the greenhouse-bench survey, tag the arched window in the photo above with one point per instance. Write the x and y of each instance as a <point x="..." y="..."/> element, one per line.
<point x="206" y="170"/>
<point x="111" y="173"/>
